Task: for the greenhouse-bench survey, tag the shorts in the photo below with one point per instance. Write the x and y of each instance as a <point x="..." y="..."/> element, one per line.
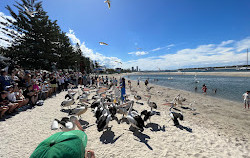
<point x="246" y="102"/>
<point x="53" y="85"/>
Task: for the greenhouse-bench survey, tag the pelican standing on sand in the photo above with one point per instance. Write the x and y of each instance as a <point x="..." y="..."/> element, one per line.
<point x="79" y="110"/>
<point x="108" y="2"/>
<point x="152" y="105"/>
<point x="68" y="103"/>
<point x="175" y="116"/>
<point x="67" y="124"/>
<point x="135" y="119"/>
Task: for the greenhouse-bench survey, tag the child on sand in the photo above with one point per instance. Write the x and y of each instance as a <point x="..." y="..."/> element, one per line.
<point x="246" y="99"/>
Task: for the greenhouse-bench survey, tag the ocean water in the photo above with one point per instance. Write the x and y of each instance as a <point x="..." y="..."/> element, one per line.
<point x="230" y="88"/>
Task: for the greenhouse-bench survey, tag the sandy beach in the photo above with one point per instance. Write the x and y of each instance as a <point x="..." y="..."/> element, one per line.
<point x="217" y="128"/>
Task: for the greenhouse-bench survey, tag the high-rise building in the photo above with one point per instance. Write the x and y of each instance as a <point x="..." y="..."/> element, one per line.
<point x="137" y="69"/>
<point x="133" y="69"/>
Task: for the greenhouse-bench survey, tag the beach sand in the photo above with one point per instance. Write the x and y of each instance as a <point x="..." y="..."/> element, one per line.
<point x="217" y="128"/>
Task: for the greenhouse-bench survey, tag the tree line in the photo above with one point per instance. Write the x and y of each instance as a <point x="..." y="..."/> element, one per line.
<point x="38" y="42"/>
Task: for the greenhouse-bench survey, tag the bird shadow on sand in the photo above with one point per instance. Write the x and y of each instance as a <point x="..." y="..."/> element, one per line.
<point x="184" y="128"/>
<point x="143" y="138"/>
<point x="85" y="124"/>
<point x="155" y="127"/>
<point x="177" y="109"/>
<point x="123" y="120"/>
<point x="108" y="137"/>
<point x="65" y="110"/>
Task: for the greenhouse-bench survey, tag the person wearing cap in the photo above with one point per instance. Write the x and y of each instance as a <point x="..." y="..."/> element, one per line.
<point x="71" y="144"/>
<point x="5" y="102"/>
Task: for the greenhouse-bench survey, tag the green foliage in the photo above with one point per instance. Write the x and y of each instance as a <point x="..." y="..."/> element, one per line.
<point x="38" y="42"/>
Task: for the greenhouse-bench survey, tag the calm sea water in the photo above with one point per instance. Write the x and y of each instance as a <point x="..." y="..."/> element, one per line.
<point x="230" y="88"/>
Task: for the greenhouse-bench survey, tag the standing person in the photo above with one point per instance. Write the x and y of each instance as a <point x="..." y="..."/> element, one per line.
<point x="129" y="84"/>
<point x="138" y="82"/>
<point x="107" y="80"/>
<point x="146" y="83"/>
<point x="53" y="84"/>
<point x="204" y="88"/>
<point x="123" y="89"/>
<point x="246" y="99"/>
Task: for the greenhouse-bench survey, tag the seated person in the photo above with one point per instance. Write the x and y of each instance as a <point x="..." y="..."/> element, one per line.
<point x="5" y="102"/>
<point x="19" y="96"/>
<point x="31" y="95"/>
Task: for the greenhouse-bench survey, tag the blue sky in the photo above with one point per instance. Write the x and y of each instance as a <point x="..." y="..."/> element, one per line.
<point x="172" y="33"/>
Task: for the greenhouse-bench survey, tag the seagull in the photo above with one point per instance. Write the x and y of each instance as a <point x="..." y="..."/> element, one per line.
<point x="103" y="43"/>
<point x="30" y="13"/>
<point x="108" y="2"/>
<point x="118" y="62"/>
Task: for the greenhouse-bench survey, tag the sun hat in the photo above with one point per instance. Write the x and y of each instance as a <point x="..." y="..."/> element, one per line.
<point x="62" y="145"/>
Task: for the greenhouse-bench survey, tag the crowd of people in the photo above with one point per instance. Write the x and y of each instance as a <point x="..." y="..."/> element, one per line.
<point x="22" y="87"/>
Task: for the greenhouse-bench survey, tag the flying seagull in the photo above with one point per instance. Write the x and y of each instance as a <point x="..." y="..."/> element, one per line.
<point x="103" y="43"/>
<point x="108" y="2"/>
<point x="118" y="62"/>
<point x="30" y="13"/>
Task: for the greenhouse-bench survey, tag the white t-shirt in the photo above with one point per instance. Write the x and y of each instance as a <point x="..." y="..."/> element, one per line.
<point x="11" y="97"/>
<point x="246" y="96"/>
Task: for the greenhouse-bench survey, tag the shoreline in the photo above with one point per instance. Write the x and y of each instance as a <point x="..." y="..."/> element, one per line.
<point x="193" y="92"/>
<point x="232" y="74"/>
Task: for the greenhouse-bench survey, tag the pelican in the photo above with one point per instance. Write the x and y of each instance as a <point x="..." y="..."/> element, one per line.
<point x="175" y="115"/>
<point x="147" y="115"/>
<point x="67" y="124"/>
<point x="69" y="102"/>
<point x="30" y="13"/>
<point x="135" y="119"/>
<point x="104" y="119"/>
<point x="79" y="110"/>
<point x="152" y="105"/>
<point x="108" y="2"/>
<point x="103" y="43"/>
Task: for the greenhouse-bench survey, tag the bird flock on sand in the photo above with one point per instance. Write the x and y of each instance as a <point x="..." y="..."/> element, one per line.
<point x="106" y="106"/>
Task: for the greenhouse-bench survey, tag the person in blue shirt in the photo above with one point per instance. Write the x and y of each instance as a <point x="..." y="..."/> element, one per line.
<point x="123" y="89"/>
<point x="5" y="80"/>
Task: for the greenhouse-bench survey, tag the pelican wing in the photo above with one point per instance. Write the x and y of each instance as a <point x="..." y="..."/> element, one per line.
<point x="54" y="125"/>
<point x="109" y="5"/>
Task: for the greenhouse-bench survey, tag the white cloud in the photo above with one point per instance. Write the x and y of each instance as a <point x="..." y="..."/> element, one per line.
<point x="160" y="48"/>
<point x="226" y="53"/>
<point x="243" y="44"/>
<point x="103" y="60"/>
<point x="156" y="49"/>
<point x="138" y="53"/>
